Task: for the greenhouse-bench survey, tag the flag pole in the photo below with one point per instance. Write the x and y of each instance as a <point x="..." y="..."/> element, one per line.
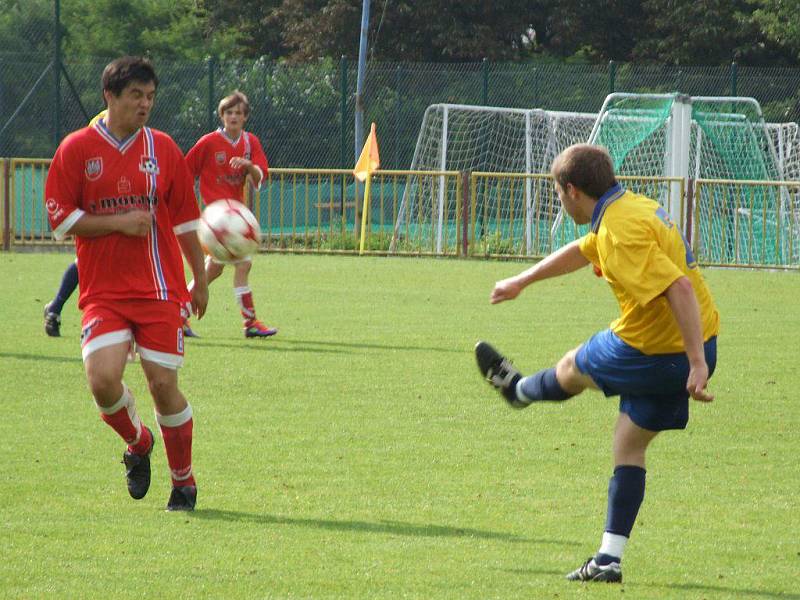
<point x="365" y="214"/>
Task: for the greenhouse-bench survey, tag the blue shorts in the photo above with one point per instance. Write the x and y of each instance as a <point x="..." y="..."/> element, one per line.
<point x="651" y="387"/>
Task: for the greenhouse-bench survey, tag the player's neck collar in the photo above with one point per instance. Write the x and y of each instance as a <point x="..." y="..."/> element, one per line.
<point x="233" y="142"/>
<point x="612" y="195"/>
<point x="105" y="133"/>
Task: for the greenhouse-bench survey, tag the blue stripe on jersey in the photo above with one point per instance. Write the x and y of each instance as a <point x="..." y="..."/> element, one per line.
<point x="152" y="181"/>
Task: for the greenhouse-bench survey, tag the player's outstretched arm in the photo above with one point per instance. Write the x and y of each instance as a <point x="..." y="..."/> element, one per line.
<point x="135" y="223"/>
<point x="190" y="246"/>
<point x="686" y="311"/>
<point x="562" y="261"/>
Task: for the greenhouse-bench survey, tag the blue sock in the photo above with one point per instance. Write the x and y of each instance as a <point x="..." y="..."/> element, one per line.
<point x="69" y="281"/>
<point x="625" y="495"/>
<point x="542" y="386"/>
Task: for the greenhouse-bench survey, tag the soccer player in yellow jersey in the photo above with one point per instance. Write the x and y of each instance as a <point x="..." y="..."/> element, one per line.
<point x="661" y="350"/>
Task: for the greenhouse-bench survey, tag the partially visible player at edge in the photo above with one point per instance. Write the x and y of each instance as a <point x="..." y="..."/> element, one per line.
<point x="69" y="281"/>
<point x="661" y="350"/>
<point x="227" y="160"/>
<point x="124" y="191"/>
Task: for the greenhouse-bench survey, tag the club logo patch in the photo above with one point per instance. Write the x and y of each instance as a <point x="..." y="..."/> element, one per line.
<point x="149" y="165"/>
<point x="94" y="168"/>
<point x="220" y="157"/>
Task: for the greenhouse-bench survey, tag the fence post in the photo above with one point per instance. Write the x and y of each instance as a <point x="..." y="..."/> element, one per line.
<point x="212" y="120"/>
<point x="57" y="72"/>
<point x="734" y="78"/>
<point x="485" y="72"/>
<point x="6" y="205"/>
<point x="465" y="196"/>
<point x="343" y="109"/>
<point x="397" y="111"/>
<point x="612" y="76"/>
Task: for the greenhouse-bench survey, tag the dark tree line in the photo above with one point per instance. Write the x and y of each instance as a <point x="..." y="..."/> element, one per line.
<point x="686" y="32"/>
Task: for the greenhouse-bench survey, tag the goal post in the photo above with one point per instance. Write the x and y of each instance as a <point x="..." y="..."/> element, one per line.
<point x="457" y="137"/>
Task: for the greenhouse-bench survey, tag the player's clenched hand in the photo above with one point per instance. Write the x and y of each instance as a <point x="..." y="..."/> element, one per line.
<point x="199" y="299"/>
<point x="506" y="289"/>
<point x="135" y="223"/>
<point x="239" y="162"/>
<point x="696" y="384"/>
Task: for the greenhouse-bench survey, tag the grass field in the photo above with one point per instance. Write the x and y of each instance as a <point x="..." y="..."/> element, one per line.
<point x="358" y="454"/>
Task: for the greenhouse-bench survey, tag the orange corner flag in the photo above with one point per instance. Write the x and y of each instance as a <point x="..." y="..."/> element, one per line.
<point x="370" y="160"/>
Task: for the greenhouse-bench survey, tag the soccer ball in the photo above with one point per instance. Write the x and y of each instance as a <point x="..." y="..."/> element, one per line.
<point x="228" y="231"/>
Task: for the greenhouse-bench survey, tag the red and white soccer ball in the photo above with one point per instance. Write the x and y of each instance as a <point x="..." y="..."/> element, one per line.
<point x="229" y="231"/>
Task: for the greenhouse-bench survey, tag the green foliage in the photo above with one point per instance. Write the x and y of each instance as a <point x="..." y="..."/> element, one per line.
<point x="174" y="29"/>
<point x="778" y="20"/>
<point x="358" y="453"/>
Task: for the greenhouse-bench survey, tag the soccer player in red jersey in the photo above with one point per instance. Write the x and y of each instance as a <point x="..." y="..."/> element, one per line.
<point x="124" y="191"/>
<point x="226" y="160"/>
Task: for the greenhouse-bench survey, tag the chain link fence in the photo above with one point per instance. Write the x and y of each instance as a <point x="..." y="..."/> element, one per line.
<point x="305" y="113"/>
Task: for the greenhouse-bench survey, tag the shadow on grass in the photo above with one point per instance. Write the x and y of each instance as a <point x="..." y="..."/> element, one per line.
<point x="285" y="345"/>
<point x="387" y="527"/>
<point x="42" y="357"/>
<point x="682" y="589"/>
<point x="734" y="592"/>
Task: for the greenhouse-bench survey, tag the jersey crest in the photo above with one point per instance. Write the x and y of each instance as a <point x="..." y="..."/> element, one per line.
<point x="220" y="157"/>
<point x="94" y="168"/>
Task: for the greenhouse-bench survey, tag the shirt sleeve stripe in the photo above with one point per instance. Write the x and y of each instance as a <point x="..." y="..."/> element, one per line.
<point x="186" y="227"/>
<point x="60" y="232"/>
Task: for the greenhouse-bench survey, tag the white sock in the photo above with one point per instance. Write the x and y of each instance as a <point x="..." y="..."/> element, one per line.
<point x="613" y="544"/>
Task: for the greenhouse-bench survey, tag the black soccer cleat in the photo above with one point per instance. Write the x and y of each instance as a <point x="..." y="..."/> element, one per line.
<point x="499" y="372"/>
<point x="182" y="498"/>
<point x="591" y="571"/>
<point x="137" y="470"/>
<point x="52" y="321"/>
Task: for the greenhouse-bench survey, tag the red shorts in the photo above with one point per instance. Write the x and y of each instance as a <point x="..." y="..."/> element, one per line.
<point x="155" y="326"/>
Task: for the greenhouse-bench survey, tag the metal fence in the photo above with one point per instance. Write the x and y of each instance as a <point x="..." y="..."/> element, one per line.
<point x="304" y="113"/>
<point x="451" y="213"/>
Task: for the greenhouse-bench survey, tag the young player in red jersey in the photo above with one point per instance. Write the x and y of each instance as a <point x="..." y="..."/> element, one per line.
<point x="124" y="191"/>
<point x="226" y="160"/>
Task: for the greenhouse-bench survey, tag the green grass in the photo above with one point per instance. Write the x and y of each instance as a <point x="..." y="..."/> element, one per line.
<point x="358" y="454"/>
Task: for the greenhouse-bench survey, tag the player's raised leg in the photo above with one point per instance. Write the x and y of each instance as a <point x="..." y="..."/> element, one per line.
<point x="554" y="384"/>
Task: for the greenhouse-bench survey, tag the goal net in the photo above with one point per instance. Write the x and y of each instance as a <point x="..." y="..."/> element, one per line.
<point x="669" y="137"/>
<point x="457" y="137"/>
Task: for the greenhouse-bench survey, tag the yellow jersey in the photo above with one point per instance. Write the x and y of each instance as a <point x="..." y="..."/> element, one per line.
<point x="101" y="115"/>
<point x="641" y="253"/>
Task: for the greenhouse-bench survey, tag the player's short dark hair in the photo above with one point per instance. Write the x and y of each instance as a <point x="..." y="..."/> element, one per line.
<point x="232" y="100"/>
<point x="589" y="168"/>
<point x="120" y="72"/>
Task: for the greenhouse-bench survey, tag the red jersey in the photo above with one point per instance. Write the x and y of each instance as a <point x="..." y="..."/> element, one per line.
<point x="93" y="172"/>
<point x="209" y="159"/>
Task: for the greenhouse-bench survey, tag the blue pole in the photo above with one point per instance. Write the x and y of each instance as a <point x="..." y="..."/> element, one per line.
<point x="362" y="60"/>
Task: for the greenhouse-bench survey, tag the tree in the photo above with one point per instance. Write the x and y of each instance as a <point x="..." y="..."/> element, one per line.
<point x="578" y="28"/>
<point x="712" y="32"/>
<point x="778" y="19"/>
<point x="251" y="19"/>
<point x="404" y="31"/>
<point x="169" y="30"/>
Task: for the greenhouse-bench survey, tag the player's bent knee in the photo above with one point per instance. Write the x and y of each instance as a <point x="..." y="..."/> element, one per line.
<point x="569" y="375"/>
